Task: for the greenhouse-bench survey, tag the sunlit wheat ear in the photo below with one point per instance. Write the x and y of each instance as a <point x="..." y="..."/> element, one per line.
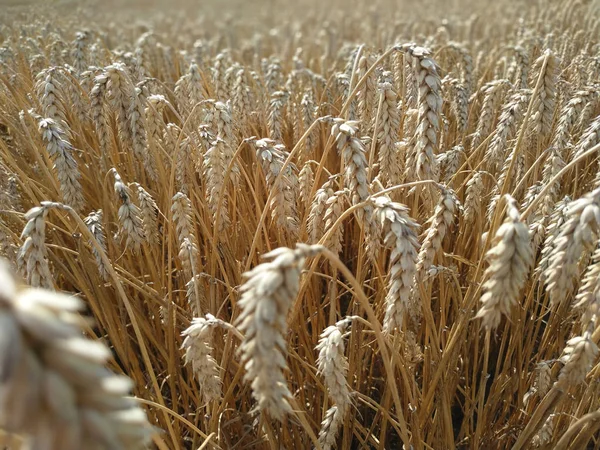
<point x="188" y="89"/>
<point x="492" y="95"/>
<point x="139" y="137"/>
<point x="32" y="256"/>
<point x="216" y="162"/>
<point x="443" y="217"/>
<point x="542" y="382"/>
<point x="356" y="177"/>
<point x="456" y="94"/>
<point x="332" y="364"/>
<point x="424" y="145"/>
<point x="308" y="117"/>
<point x="242" y="100"/>
<point x="367" y="93"/>
<point x="335" y="206"/>
<point x="285" y="190"/>
<point x="399" y="232"/>
<point x="473" y="200"/>
<point x="556" y="221"/>
<point x="589" y="138"/>
<point x="49" y="91"/>
<point x="544" y="436"/>
<point x="120" y="95"/>
<point x="276" y="114"/>
<point x="545" y="101"/>
<point x="183" y="163"/>
<point x="318" y="208"/>
<point x="149" y="212"/>
<point x="510" y="117"/>
<point x="99" y="116"/>
<point x="571" y="112"/>
<point x="94" y="224"/>
<point x="510" y="259"/>
<point x="587" y="299"/>
<point x="196" y="295"/>
<point x="47" y="369"/>
<point x="578" y="358"/>
<point x="552" y="166"/>
<point x="577" y="235"/>
<point x="198" y="352"/>
<point x="61" y="153"/>
<point x="387" y="130"/>
<point x="183" y="216"/>
<point x="521" y="67"/>
<point x="130" y="215"/>
<point x="268" y="293"/>
<point x="306" y="179"/>
<point x="330" y="427"/>
<point x="450" y="161"/>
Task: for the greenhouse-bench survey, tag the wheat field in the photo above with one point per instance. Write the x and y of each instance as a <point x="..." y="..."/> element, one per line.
<point x="309" y="225"/>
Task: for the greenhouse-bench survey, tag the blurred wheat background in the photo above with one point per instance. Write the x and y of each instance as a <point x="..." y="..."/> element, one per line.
<point x="329" y="225"/>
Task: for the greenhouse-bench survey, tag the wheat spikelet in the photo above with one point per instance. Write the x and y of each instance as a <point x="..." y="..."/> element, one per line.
<point x="570" y="112"/>
<point x="31" y="258"/>
<point x="119" y="94"/>
<point x="578" y="357"/>
<point x="137" y="114"/>
<point x="399" y="233"/>
<point x="316" y="217"/>
<point x="283" y="203"/>
<point x="276" y="114"/>
<point x="334" y="207"/>
<point x="49" y="90"/>
<point x="333" y="366"/>
<point x="492" y="96"/>
<point x="306" y="179"/>
<point x="78" y="53"/>
<point x="94" y="224"/>
<point x="510" y="116"/>
<point x="387" y="131"/>
<point x="216" y="161"/>
<point x="424" y="145"/>
<point x="443" y="217"/>
<point x="329" y="428"/>
<point x="184" y="222"/>
<point x="366" y="95"/>
<point x="60" y="150"/>
<point x="308" y="117"/>
<point x="542" y="381"/>
<point x="149" y="212"/>
<point x="267" y="295"/>
<point x="544" y="436"/>
<point x="577" y="235"/>
<point x="46" y="360"/>
<point x="545" y="102"/>
<point x="510" y="259"/>
<point x="589" y="138"/>
<point x="98" y="114"/>
<point x="129" y="215"/>
<point x="198" y="349"/>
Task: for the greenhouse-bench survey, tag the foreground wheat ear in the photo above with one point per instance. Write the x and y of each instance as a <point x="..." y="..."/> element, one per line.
<point x="267" y="296"/>
<point x="55" y="390"/>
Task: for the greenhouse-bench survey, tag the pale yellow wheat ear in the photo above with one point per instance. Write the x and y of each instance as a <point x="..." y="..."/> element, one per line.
<point x="332" y="364"/>
<point x="399" y="234"/>
<point x="55" y="390"/>
<point x="268" y="293"/>
<point x="510" y="259"/>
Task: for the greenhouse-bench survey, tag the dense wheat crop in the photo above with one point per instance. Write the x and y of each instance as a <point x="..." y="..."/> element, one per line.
<point x="329" y="225"/>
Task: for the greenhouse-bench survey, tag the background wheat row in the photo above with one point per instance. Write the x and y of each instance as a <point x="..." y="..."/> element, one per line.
<point x="308" y="226"/>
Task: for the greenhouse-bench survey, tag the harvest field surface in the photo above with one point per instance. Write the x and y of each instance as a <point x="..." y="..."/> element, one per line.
<point x="233" y="225"/>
